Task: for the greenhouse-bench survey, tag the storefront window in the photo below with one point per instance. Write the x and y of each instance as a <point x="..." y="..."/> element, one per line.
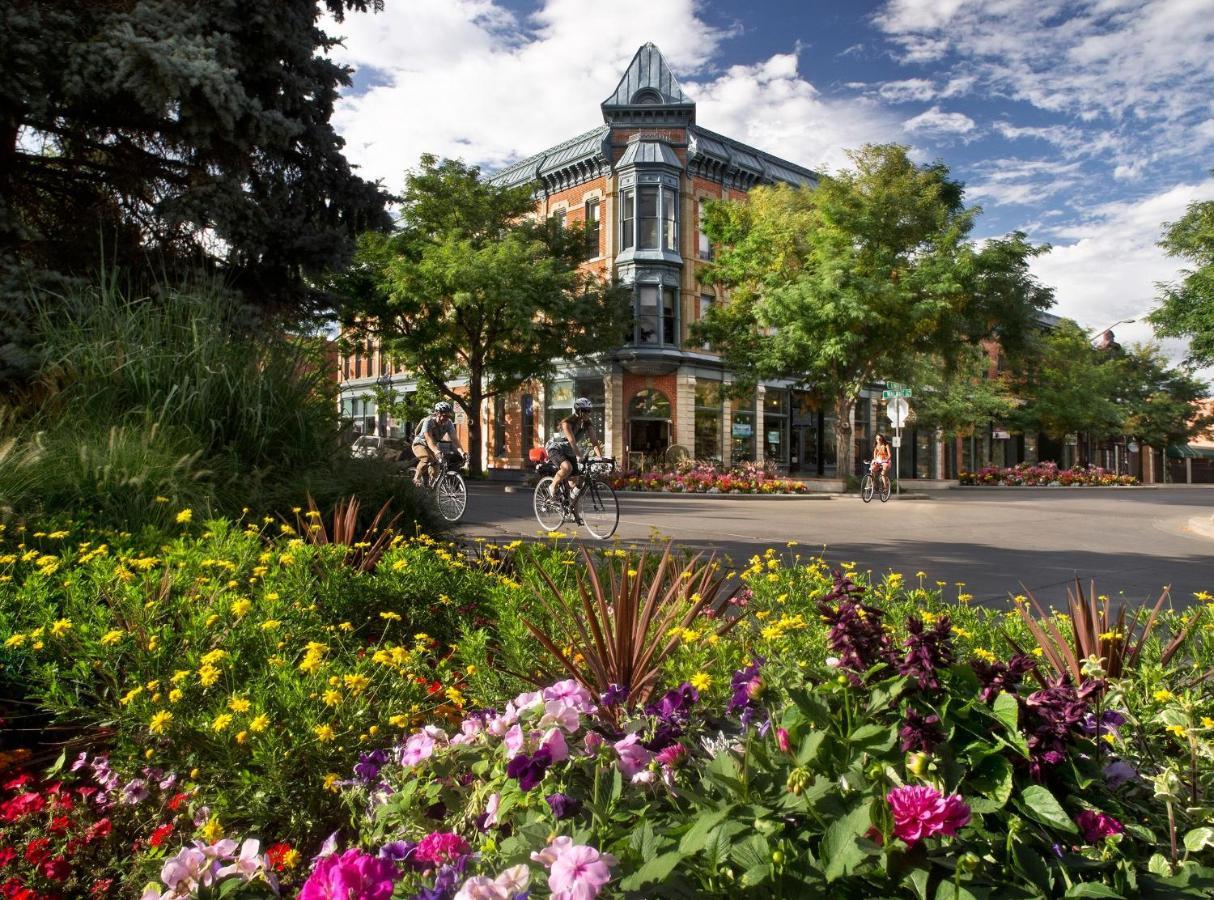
<point x="649" y="416"/>
<point x="742" y="436"/>
<point x="561" y="394"/>
<point x="708" y="420"/>
<point x="775" y="426"/>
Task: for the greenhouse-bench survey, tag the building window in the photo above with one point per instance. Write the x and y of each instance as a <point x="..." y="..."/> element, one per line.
<point x="649" y="415"/>
<point x="528" y="422"/>
<point x="627" y="219"/>
<point x="657" y="315"/>
<point x="705" y="245"/>
<point x="499" y="425"/>
<point x="708" y="420"/>
<point x="705" y="304"/>
<point x="742" y="433"/>
<point x="559" y="218"/>
<point x="775" y="426"/>
<point x="649" y="219"/>
<point x="593" y="218"/>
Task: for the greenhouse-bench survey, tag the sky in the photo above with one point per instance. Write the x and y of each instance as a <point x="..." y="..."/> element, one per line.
<point x="1087" y="124"/>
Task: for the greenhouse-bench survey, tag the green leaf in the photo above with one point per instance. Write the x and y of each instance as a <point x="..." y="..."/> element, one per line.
<point x="756" y="875"/>
<point x="991" y="785"/>
<point x="883" y="694"/>
<point x="697" y="836"/>
<point x="1091" y="889"/>
<point x="810" y="745"/>
<point x="840" y="849"/>
<point x="1159" y="865"/>
<point x="946" y="890"/>
<point x="1007" y="710"/>
<point x="1041" y="805"/>
<point x="875" y="737"/>
<point x="918" y="879"/>
<point x="754" y="851"/>
<point x="720" y="842"/>
<point x="1199" y="838"/>
<point x="654" y="871"/>
<point x="644" y="842"/>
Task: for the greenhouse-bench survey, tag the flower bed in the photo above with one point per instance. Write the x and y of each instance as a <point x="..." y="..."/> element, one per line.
<point x="704" y="478"/>
<point x="1045" y="474"/>
<point x="864" y="739"/>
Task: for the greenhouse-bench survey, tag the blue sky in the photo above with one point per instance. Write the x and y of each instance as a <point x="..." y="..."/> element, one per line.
<point x="1085" y="123"/>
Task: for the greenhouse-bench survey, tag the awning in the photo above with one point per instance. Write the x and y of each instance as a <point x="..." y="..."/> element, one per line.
<point x="1188" y="451"/>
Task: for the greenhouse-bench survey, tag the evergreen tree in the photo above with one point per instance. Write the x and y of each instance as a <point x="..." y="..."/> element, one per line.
<point x="169" y="134"/>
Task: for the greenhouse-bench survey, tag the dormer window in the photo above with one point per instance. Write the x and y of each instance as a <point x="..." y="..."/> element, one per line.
<point x="646" y="96"/>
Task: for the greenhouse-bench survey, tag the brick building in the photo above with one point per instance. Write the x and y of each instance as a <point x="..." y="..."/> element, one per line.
<point x="637" y="181"/>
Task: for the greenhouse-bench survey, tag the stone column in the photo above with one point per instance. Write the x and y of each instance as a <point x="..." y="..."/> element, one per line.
<point x="615" y="415"/>
<point x="760" y="446"/>
<point x="685" y="403"/>
<point x="726" y="425"/>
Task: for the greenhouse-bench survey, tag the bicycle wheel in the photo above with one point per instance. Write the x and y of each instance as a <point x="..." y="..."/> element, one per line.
<point x="451" y="495"/>
<point x="866" y="488"/>
<point x="548" y="510"/>
<point x="599" y="509"/>
<point x="884" y="489"/>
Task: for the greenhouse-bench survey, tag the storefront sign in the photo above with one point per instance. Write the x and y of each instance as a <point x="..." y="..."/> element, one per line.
<point x="773" y="437"/>
<point x="742" y="429"/>
<point x="1000" y="435"/>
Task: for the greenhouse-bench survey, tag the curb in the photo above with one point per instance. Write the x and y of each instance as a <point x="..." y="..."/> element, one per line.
<point x="1057" y="487"/>
<point x="699" y="495"/>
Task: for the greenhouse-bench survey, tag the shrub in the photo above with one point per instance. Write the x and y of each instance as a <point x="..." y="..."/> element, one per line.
<point x="1045" y="474"/>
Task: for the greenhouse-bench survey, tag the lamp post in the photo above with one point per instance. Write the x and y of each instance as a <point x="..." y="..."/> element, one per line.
<point x="1111" y="327"/>
<point x="384" y="383"/>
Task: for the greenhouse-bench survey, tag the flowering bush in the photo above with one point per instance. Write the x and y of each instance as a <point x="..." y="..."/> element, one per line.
<point x="707" y="478"/>
<point x="1044" y="474"/>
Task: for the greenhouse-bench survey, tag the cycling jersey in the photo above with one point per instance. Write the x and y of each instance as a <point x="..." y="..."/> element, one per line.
<point x="579" y="428"/>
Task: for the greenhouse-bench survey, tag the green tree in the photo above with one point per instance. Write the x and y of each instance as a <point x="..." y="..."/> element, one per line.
<point x="157" y="134"/>
<point x="1159" y="402"/>
<point x="1072" y="388"/>
<point x="471" y="289"/>
<point x="1187" y="310"/>
<point x="856" y="279"/>
<point x="955" y="398"/>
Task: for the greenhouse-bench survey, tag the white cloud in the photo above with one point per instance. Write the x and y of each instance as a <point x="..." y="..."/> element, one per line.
<point x="907" y="90"/>
<point x="937" y="123"/>
<point x="1022" y="181"/>
<point x="1107" y="266"/>
<point x="466" y="79"/>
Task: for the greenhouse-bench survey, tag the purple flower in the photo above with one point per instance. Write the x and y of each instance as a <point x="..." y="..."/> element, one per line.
<point x="1096" y="826"/>
<point x="664" y="735"/>
<point x="529" y="770"/>
<point x="1110" y="720"/>
<point x="446" y="881"/>
<point x="927" y="651"/>
<point x="398" y="851"/>
<point x="920" y="732"/>
<point x="747" y="686"/>
<point x="998" y="677"/>
<point x="352" y="874"/>
<point x="857" y="636"/>
<point x="675" y="704"/>
<point x="1119" y="772"/>
<point x="614" y="695"/>
<point x="563" y="806"/>
<point x="367" y="768"/>
<point x="1049" y="719"/>
<point x="134" y="791"/>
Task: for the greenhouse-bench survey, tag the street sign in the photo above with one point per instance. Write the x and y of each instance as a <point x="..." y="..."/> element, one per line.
<point x="895" y="392"/>
<point x="897" y="441"/>
<point x="896" y="409"/>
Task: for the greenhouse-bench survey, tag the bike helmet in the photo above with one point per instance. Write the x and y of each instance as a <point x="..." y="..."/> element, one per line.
<point x="582" y="404"/>
<point x="441" y="407"/>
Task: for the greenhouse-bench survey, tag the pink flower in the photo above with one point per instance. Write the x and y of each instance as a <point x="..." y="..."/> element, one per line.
<point x="673" y="756"/>
<point x="633" y="756"/>
<point x="920" y="812"/>
<point x="353" y="875"/>
<point x="1096" y="826"/>
<point x="548" y="855"/>
<point x="440" y="847"/>
<point x="782" y="740"/>
<point x="592" y="742"/>
<point x="514" y="741"/>
<point x="420" y="746"/>
<point x="554" y="743"/>
<point x="491" y="807"/>
<point x="578" y="873"/>
<point x="559" y="712"/>
<point x="572" y="693"/>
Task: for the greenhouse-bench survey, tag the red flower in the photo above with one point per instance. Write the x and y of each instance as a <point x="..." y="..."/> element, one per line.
<point x="37" y="851"/>
<point x="161" y="834"/>
<point x="57" y="869"/>
<point x="16" y="784"/>
<point x="99" y="829"/>
<point x="176" y="800"/>
<point x="434" y="687"/>
<point x="101" y="888"/>
<point x="20" y="806"/>
<point x="15" y="890"/>
<point x="59" y="825"/>
<point x="65" y="802"/>
<point x="276" y="853"/>
<point x="7" y="855"/>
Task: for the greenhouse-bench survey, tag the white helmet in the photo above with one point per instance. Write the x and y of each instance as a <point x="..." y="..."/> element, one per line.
<point x="582" y="404"/>
<point x="441" y="407"/>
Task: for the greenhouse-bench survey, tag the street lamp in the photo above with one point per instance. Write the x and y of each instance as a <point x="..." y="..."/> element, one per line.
<point x="384" y="382"/>
<point x="1110" y="327"/>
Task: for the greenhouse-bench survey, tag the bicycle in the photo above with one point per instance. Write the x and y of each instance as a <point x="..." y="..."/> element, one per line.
<point x="450" y="492"/>
<point x="594" y="506"/>
<point x="868" y="485"/>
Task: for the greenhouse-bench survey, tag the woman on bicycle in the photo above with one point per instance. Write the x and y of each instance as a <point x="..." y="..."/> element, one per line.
<point x="570" y="432"/>
<point x="880" y="464"/>
<point x="436" y="427"/>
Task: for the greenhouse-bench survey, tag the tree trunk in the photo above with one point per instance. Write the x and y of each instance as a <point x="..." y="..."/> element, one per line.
<point x="845" y="464"/>
<point x="473" y="409"/>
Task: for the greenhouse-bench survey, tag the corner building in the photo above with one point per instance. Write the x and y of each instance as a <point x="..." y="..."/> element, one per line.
<point x="638" y="182"/>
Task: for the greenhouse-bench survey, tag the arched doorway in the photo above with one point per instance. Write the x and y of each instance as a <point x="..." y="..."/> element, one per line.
<point x="649" y="423"/>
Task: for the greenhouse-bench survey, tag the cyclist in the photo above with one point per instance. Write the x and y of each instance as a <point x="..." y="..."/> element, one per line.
<point x="880" y="466"/>
<point x="438" y="426"/>
<point x="562" y="447"/>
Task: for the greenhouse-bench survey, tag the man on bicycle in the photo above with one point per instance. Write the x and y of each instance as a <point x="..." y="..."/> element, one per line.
<point x="881" y="460"/>
<point x="438" y="426"/>
<point x="562" y="446"/>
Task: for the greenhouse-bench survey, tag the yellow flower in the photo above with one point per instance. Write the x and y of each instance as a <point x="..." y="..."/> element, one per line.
<point x="390" y="616"/>
<point x="211" y="620"/>
<point x="984" y="654"/>
<point x="270" y="624"/>
<point x="1164" y="696"/>
<point x="159" y="499"/>
<point x="180" y="675"/>
<point x="213" y="657"/>
<point x="222" y="721"/>
<point x="238" y="704"/>
<point x="700" y="681"/>
<point x="175" y="694"/>
<point x="207" y="675"/>
<point x="1178" y="730"/>
<point x="131" y="695"/>
<point x="61" y="627"/>
<point x="15" y="640"/>
<point x="331" y="782"/>
<point x="331" y="697"/>
<point x="185" y="516"/>
<point x="111" y="637"/>
<point x="356" y="684"/>
<point x="324" y="733"/>
<point x="240" y="606"/>
<point x="398" y="721"/>
<point x="454" y="695"/>
<point x="259" y="723"/>
<point x="241" y="737"/>
<point x="290" y="859"/>
<point x="212" y="831"/>
<point x="160" y="722"/>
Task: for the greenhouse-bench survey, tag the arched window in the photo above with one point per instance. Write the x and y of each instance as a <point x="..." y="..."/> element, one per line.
<point x="649" y="404"/>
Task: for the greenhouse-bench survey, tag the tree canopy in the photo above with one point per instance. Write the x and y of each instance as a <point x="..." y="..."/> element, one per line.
<point x="854" y="280"/>
<point x="1072" y="387"/>
<point x="157" y="134"/>
<point x="1187" y="310"/>
<point x="471" y="289"/>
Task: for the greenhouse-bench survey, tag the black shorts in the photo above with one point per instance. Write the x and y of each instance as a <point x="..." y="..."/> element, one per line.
<point x="559" y="453"/>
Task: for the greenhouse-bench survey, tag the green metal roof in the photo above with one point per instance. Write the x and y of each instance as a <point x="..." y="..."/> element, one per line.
<point x="1188" y="451"/>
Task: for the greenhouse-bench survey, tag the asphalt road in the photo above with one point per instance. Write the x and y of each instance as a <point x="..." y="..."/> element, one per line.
<point x="997" y="542"/>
